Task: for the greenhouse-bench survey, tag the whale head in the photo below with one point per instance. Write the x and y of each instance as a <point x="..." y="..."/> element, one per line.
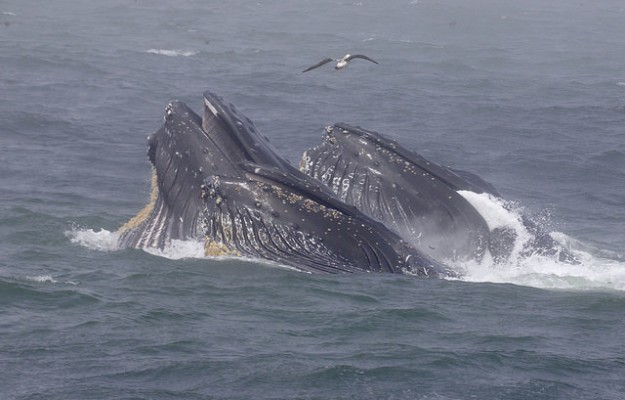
<point x="183" y="152"/>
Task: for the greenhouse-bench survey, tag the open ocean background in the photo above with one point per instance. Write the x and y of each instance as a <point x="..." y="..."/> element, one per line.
<point x="530" y="95"/>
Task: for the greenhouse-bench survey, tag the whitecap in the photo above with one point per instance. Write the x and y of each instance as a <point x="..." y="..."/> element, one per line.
<point x="12" y="14"/>
<point x="172" y="52"/>
<point x="102" y="240"/>
<point x="41" y="279"/>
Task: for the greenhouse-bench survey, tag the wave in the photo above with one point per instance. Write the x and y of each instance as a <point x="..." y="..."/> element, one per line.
<point x="172" y="53"/>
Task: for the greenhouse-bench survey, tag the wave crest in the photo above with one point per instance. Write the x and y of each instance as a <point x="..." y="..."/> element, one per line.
<point x="172" y="52"/>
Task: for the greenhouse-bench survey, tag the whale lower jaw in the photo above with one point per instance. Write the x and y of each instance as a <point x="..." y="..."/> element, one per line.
<point x="157" y="225"/>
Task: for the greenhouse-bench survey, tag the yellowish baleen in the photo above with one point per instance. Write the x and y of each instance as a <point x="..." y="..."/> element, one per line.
<point x="214" y="249"/>
<point x="135" y="221"/>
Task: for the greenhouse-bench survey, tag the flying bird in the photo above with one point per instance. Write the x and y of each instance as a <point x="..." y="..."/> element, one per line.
<point x="341" y="63"/>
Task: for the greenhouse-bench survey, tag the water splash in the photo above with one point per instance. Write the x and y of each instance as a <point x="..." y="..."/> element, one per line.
<point x="102" y="240"/>
<point x="179" y="249"/>
<point x="41" y="279"/>
<point x="532" y="268"/>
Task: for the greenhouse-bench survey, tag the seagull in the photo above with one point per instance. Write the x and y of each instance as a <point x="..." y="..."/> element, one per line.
<point x="341" y="63"/>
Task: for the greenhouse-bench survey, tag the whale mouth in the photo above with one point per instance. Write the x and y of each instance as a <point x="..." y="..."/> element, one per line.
<point x="185" y="150"/>
<point x="235" y="134"/>
<point x="216" y="142"/>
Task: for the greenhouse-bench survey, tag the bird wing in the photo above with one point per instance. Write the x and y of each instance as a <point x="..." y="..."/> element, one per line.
<point x="351" y="57"/>
<point x="319" y="64"/>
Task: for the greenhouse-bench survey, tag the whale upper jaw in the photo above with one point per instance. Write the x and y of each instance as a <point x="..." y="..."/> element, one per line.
<point x="183" y="152"/>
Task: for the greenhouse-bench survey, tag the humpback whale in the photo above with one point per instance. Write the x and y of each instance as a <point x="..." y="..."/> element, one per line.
<point x="217" y="180"/>
<point x="415" y="197"/>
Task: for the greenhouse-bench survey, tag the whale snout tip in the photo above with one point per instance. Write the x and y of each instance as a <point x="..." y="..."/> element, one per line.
<point x="169" y="111"/>
<point x="174" y="107"/>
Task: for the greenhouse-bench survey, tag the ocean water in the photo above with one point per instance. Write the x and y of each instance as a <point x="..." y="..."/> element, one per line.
<point x="529" y="95"/>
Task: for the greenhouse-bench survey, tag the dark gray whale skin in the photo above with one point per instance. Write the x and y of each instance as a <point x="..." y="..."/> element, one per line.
<point x="218" y="180"/>
<point x="413" y="196"/>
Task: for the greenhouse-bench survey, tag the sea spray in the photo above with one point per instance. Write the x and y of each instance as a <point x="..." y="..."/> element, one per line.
<point x="533" y="268"/>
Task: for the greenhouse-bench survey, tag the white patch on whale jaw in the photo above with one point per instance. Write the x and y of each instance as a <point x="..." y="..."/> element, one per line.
<point x="210" y="107"/>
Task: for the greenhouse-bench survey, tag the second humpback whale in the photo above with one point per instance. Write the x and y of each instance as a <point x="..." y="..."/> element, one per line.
<point x="216" y="179"/>
<point x="420" y="200"/>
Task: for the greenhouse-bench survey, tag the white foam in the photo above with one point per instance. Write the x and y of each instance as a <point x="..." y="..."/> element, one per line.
<point x="102" y="240"/>
<point x="9" y="13"/>
<point x="179" y="249"/>
<point x="592" y="273"/>
<point x="620" y="83"/>
<point x="172" y="52"/>
<point x="41" y="279"/>
<point x="492" y="209"/>
<point x="497" y="214"/>
<point x="547" y="273"/>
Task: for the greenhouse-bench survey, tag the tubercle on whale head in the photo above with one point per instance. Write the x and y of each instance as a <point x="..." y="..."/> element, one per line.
<point x="209" y="188"/>
<point x="168" y="116"/>
<point x="328" y="135"/>
<point x="334" y="133"/>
